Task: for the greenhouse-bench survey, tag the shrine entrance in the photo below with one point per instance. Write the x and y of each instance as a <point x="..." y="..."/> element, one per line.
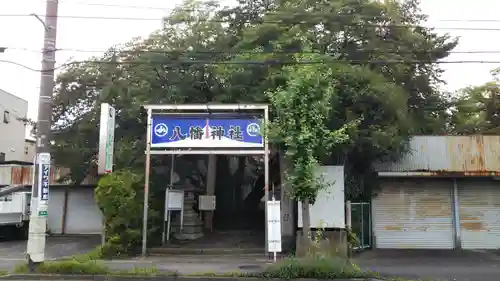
<point x="220" y="215"/>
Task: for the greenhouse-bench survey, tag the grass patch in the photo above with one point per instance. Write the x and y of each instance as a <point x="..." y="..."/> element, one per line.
<point x="314" y="267"/>
<point x="290" y="268"/>
<point x="66" y="267"/>
<point x="92" y="255"/>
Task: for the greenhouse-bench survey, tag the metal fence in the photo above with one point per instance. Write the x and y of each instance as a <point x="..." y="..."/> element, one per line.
<point x="361" y="224"/>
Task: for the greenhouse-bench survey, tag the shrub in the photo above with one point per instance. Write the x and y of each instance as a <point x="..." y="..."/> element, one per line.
<point x="314" y="267"/>
<point x="66" y="267"/>
<point x="119" y="196"/>
<point x="95" y="254"/>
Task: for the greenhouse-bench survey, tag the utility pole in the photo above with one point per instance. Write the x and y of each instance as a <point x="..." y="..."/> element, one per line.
<point x="39" y="193"/>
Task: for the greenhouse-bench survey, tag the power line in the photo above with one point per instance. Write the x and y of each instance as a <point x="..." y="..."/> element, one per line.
<point x="113" y="5"/>
<point x="255" y="21"/>
<point x="257" y="62"/>
<point x="235" y="52"/>
<point x="193" y="10"/>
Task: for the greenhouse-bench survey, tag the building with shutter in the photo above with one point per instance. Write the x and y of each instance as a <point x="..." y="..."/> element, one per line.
<point x="444" y="194"/>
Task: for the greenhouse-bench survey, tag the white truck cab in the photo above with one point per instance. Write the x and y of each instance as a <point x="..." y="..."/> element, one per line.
<point x="14" y="215"/>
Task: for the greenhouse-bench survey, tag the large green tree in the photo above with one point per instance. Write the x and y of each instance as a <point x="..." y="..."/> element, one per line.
<point x="477" y="108"/>
<point x="381" y="59"/>
<point x="384" y="37"/>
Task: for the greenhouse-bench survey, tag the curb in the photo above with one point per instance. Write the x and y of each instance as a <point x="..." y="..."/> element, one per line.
<point x="59" y="277"/>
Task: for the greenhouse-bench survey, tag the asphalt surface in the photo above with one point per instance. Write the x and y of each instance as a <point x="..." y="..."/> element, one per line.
<point x="436" y="265"/>
<point x="14" y="252"/>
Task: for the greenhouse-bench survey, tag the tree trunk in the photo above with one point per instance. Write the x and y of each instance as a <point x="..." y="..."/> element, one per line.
<point x="238" y="177"/>
<point x="306" y="226"/>
<point x="211" y="172"/>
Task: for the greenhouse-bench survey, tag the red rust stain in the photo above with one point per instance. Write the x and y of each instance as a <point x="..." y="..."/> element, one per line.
<point x="472" y="226"/>
<point x="432" y="207"/>
<point x="27" y="175"/>
<point x="393" y="228"/>
<point x="480" y="158"/>
<point x="24" y="175"/>
<point x="16" y="175"/>
<point x="465" y="217"/>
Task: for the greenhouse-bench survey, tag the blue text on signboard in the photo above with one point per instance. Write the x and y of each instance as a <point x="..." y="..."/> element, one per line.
<point x="203" y="132"/>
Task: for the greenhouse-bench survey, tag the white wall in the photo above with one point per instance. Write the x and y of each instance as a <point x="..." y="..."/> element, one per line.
<point x="12" y="130"/>
<point x="29" y="150"/>
<point x="329" y="209"/>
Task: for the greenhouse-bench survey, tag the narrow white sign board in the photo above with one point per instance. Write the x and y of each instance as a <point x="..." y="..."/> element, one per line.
<point x="329" y="209"/>
<point x="274" y="226"/>
<point x="106" y="139"/>
<point x="174" y="201"/>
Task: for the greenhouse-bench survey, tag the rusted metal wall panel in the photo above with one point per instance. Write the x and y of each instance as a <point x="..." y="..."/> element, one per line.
<point x="479" y="205"/>
<point x="19" y="174"/>
<point x="468" y="155"/>
<point x="413" y="214"/>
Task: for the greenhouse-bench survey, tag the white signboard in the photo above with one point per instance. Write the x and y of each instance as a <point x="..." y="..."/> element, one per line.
<point x="206" y="202"/>
<point x="273" y="226"/>
<point x="174" y="200"/>
<point x="106" y="139"/>
<point x="329" y="209"/>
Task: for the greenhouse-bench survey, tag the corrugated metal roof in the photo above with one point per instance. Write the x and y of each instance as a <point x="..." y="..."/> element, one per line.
<point x="473" y="155"/>
<point x="22" y="174"/>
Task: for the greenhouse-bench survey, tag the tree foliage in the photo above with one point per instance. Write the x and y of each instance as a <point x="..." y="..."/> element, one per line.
<point x="118" y="197"/>
<point x="477" y="108"/>
<point x="322" y="65"/>
<point x="303" y="111"/>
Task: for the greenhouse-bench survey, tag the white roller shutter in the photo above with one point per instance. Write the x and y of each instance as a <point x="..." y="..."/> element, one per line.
<point x="84" y="216"/>
<point x="479" y="203"/>
<point x="413" y="214"/>
<point x="56" y="209"/>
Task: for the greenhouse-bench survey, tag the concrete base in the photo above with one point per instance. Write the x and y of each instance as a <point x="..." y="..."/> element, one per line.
<point x="332" y="243"/>
<point x="288" y="244"/>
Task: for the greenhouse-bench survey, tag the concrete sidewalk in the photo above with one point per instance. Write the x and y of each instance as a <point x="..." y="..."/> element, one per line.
<point x="193" y="264"/>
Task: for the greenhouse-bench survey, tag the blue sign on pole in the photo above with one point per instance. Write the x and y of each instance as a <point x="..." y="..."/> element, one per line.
<point x="168" y="132"/>
<point x="44" y="195"/>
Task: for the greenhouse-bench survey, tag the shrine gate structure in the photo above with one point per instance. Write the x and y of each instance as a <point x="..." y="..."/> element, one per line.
<point x="223" y="129"/>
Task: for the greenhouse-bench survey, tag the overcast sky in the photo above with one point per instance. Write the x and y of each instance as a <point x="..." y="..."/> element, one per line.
<point x="25" y="36"/>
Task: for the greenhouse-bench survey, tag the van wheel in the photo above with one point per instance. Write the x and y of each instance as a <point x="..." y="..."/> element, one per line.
<point x="23" y="231"/>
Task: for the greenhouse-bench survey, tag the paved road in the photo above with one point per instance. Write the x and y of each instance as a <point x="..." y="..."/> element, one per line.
<point x="440" y="265"/>
<point x="14" y="252"/>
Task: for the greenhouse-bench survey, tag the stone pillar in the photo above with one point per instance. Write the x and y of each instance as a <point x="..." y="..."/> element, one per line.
<point x="193" y="225"/>
<point x="287" y="211"/>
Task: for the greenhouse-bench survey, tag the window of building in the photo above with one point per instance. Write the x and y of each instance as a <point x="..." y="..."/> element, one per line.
<point x="2" y="157"/>
<point x="6" y="116"/>
<point x="6" y="198"/>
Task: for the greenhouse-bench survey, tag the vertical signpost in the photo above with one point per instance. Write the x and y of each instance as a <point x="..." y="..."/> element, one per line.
<point x="106" y="139"/>
<point x="43" y="184"/>
<point x="227" y="129"/>
<point x="274" y="227"/>
<point x="106" y="145"/>
<point x="39" y="211"/>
